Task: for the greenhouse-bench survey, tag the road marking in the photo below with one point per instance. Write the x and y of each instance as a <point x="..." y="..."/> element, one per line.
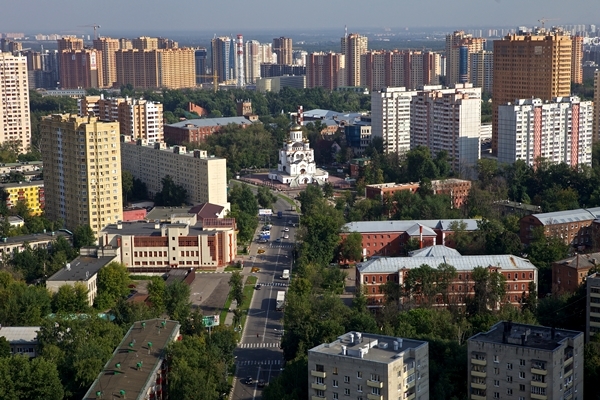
<point x="258" y="345"/>
<point x="258" y="362"/>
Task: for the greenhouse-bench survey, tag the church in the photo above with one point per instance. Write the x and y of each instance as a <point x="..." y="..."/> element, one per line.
<point x="297" y="162"/>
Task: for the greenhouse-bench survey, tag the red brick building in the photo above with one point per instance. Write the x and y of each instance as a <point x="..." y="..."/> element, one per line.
<point x="379" y="191"/>
<point x="570" y="273"/>
<point x="519" y="272"/>
<point x="573" y="226"/>
<point x="197" y="130"/>
<point x="457" y="189"/>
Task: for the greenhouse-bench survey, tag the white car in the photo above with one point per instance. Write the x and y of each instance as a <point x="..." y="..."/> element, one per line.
<point x="286" y="236"/>
<point x="286" y="229"/>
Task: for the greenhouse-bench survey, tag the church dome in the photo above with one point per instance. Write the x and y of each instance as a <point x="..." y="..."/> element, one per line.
<point x="295" y="127"/>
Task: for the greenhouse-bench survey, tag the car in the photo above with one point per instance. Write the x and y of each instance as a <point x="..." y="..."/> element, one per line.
<point x="258" y="286"/>
<point x="249" y="380"/>
<point x="260" y="251"/>
<point x="261" y="383"/>
<point x="286" y="229"/>
<point x="286" y="236"/>
<point x="278" y="240"/>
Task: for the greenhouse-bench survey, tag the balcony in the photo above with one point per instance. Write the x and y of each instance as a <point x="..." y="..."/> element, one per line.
<point x="375" y="384"/>
<point x="480" y="386"/>
<point x="569" y="361"/>
<point x="539" y="396"/>
<point x="318" y="386"/>
<point x="410" y="397"/>
<point x="316" y="398"/>
<point x="478" y="397"/>
<point x="569" y="373"/>
<point x="479" y="374"/>
<point x="539" y="371"/>
<point x="539" y="384"/>
<point x="318" y="374"/>
<point x="477" y="361"/>
<point x="374" y="397"/>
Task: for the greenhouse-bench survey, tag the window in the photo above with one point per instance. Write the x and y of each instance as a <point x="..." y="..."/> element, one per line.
<point x="335" y="383"/>
<point x="376" y="391"/>
<point x="522" y="375"/>
<point x="346" y="379"/>
<point x="359" y="374"/>
<point x="375" y="377"/>
<point x="496" y="382"/>
<point x="496" y="371"/>
<point x="509" y="379"/>
<point x="320" y="381"/>
<point x="509" y="366"/>
<point x="496" y="359"/>
<point x="522" y="388"/>
<point x="347" y="392"/>
<point x="496" y="395"/>
<point x="521" y="362"/>
<point x="359" y="388"/>
<point x="509" y="392"/>
<point x="320" y="393"/>
<point x="335" y="396"/>
<point x="320" y="368"/>
<point x="335" y="371"/>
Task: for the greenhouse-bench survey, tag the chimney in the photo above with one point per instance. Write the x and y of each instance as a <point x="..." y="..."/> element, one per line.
<point x="119" y="224"/>
<point x="420" y="236"/>
<point x="352" y="338"/>
<point x="344" y="350"/>
<point x="395" y="345"/>
<point x="358" y="337"/>
<point x="399" y="341"/>
<point x="156" y="224"/>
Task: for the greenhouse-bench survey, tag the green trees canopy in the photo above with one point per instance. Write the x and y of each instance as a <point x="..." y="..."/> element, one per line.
<point x="113" y="281"/>
<point x="171" y="194"/>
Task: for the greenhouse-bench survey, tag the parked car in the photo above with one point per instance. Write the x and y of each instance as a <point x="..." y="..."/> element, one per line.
<point x="249" y="380"/>
<point x="261" y="383"/>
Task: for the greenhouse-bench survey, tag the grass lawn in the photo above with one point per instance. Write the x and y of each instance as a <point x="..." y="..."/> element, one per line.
<point x="232" y="268"/>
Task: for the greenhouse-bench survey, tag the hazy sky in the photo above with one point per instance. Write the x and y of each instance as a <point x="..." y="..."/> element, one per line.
<point x="234" y="16"/>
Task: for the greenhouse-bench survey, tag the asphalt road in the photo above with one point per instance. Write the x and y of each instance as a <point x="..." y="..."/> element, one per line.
<point x="258" y="354"/>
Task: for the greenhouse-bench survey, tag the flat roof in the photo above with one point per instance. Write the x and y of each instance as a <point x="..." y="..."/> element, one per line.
<point x="78" y="268"/>
<point x="133" y="349"/>
<point x="143" y="228"/>
<point x="164" y="213"/>
<point x="378" y="348"/>
<point x="461" y="263"/>
<point x="403" y="226"/>
<point x="35" y="237"/>
<point x="24" y="184"/>
<point x="392" y="185"/>
<point x="537" y="337"/>
<point x="205" y="122"/>
<point x="20" y="334"/>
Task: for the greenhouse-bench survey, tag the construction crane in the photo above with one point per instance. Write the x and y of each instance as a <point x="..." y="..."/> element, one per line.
<point x="543" y="20"/>
<point x="95" y="26"/>
<point x="215" y="80"/>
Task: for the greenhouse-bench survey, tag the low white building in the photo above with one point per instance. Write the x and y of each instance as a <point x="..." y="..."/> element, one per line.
<point x="22" y="339"/>
<point x="557" y="131"/>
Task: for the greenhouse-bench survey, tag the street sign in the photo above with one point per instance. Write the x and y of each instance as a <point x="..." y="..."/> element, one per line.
<point x="265" y="211"/>
<point x="210" y="321"/>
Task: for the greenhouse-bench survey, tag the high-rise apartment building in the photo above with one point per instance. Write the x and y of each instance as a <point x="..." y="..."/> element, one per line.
<point x="482" y="70"/>
<point x="159" y="68"/>
<point x="353" y="46"/>
<point x="592" y="315"/>
<point x="528" y="66"/>
<point x="125" y="44"/>
<point x="368" y="366"/>
<point x="252" y="61"/>
<point x="459" y="47"/>
<point x="557" y="131"/>
<point x="390" y="118"/>
<point x="577" y="60"/>
<point x="145" y="43"/>
<point x="15" y="125"/>
<point x="204" y="177"/>
<point x="325" y="70"/>
<point x="282" y="47"/>
<point x="81" y="69"/>
<point x="200" y="56"/>
<point x="407" y="68"/>
<point x="138" y="118"/>
<point x="596" y="124"/>
<point x="514" y="360"/>
<point x="448" y="120"/>
<point x="108" y="48"/>
<point x="82" y="171"/>
<point x="223" y="58"/>
<point x="69" y="43"/>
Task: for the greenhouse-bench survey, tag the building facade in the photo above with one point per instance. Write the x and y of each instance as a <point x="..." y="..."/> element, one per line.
<point x="282" y="47"/>
<point x="31" y="193"/>
<point x="353" y="46"/>
<point x="367" y="366"/>
<point x="559" y="131"/>
<point x="204" y="177"/>
<point x="482" y="70"/>
<point x="568" y="274"/>
<point x="457" y="189"/>
<point x="223" y="58"/>
<point x="325" y="70"/>
<point x="596" y="124"/>
<point x="81" y="69"/>
<point x="530" y="65"/>
<point x="197" y="130"/>
<point x="448" y="120"/>
<point x="82" y="171"/>
<point x="108" y="48"/>
<point x="572" y="226"/>
<point x="592" y="315"/>
<point x="529" y="361"/>
<point x="391" y="118"/>
<point x="459" y="50"/>
<point x="15" y="124"/>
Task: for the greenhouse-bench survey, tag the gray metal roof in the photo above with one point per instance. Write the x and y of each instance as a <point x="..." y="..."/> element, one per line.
<point x="567" y="216"/>
<point x="20" y="334"/>
<point x="461" y="263"/>
<point x="78" y="268"/>
<point x="204" y="122"/>
<point x="435" y="251"/>
<point x="403" y="226"/>
<point x="418" y="229"/>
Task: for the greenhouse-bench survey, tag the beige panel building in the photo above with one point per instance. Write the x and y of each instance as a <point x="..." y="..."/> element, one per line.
<point x="454" y="43"/>
<point x="70" y="43"/>
<point x="282" y="47"/>
<point x="366" y="366"/>
<point x="82" y="171"/>
<point x="108" y="47"/>
<point x="158" y="68"/>
<point x="15" y="125"/>
<point x="138" y="118"/>
<point x="204" y="177"/>
<point x="530" y="66"/>
<point x="353" y="46"/>
<point x="145" y="43"/>
<point x="596" y="124"/>
<point x="482" y="70"/>
<point x="527" y="362"/>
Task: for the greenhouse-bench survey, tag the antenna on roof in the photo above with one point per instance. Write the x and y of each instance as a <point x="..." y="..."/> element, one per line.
<point x="68" y="266"/>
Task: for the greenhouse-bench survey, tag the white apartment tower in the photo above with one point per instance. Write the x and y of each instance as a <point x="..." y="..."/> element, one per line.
<point x="390" y="118"/>
<point x="448" y="120"/>
<point x="557" y="131"/>
<point x="15" y="125"/>
<point x="597" y="102"/>
<point x="252" y="62"/>
<point x="361" y="366"/>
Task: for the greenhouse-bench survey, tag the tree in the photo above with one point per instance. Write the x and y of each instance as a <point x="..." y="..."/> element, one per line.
<point x="71" y="299"/>
<point x="113" y="281"/>
<point x="177" y="300"/>
<point x="4" y="347"/>
<point x="236" y="286"/>
<point x="35" y="379"/>
<point x="489" y="289"/>
<point x="265" y="197"/>
<point x="83" y="236"/>
<point x="328" y="190"/>
<point x="351" y="247"/>
<point x="171" y="194"/>
<point x="156" y="294"/>
<point x="126" y="184"/>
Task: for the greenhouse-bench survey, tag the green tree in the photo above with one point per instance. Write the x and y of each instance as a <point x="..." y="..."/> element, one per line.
<point x="4" y="347"/>
<point x="126" y="184"/>
<point x="156" y="294"/>
<point x="35" y="379"/>
<point x="171" y="194"/>
<point x="113" y="281"/>
<point x="328" y="190"/>
<point x="236" y="286"/>
<point x="177" y="300"/>
<point x="83" y="236"/>
<point x="71" y="299"/>
<point x="489" y="290"/>
<point x="265" y="197"/>
<point x="351" y="247"/>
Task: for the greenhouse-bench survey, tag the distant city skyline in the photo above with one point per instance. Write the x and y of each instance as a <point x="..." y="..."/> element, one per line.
<point x="64" y="16"/>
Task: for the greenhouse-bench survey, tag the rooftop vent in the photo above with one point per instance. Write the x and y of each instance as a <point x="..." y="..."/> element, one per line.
<point x="382" y="345"/>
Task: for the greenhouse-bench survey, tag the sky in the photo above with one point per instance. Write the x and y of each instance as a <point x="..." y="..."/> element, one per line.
<point x="235" y="16"/>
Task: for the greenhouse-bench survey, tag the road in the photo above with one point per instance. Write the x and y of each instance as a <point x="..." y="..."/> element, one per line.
<point x="258" y="354"/>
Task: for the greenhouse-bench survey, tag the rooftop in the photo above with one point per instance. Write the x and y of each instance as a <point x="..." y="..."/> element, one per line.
<point x="81" y="269"/>
<point x="132" y="350"/>
<point x="514" y="204"/>
<point x="580" y="261"/>
<point x="164" y="214"/>
<point x="144" y="228"/>
<point x="35" y="238"/>
<point x="523" y="335"/>
<point x="370" y="347"/>
<point x="392" y="185"/>
<point x="435" y="251"/>
<point x="207" y="210"/>
<point x="206" y="122"/>
<point x="20" y="334"/>
<point x="461" y="263"/>
<point x="565" y="217"/>
<point x="403" y="226"/>
<point x="24" y="184"/>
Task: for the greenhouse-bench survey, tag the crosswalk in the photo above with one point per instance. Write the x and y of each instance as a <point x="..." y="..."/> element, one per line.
<point x="282" y="245"/>
<point x="259" y="362"/>
<point x="259" y="345"/>
<point x="280" y="284"/>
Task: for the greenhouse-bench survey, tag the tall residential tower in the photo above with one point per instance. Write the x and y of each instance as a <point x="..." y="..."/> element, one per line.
<point x="15" y="125"/>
